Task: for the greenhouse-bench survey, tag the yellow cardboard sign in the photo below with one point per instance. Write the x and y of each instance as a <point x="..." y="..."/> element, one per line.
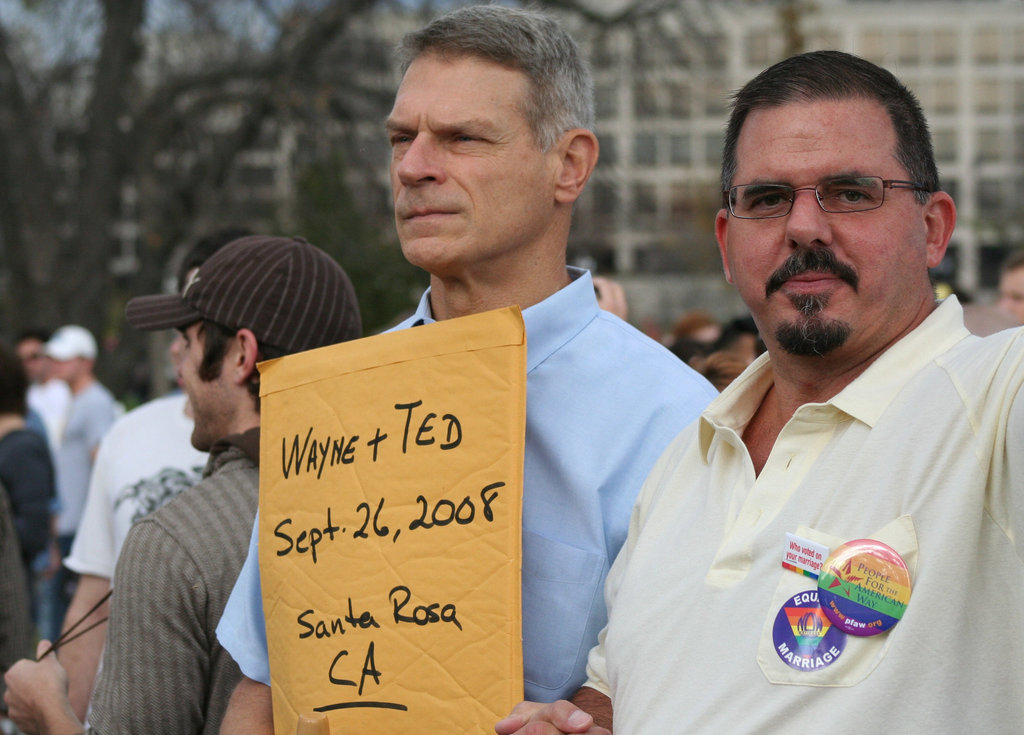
<point x="391" y="473"/>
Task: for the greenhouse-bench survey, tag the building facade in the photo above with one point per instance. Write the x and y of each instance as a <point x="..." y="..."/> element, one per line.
<point x="663" y="87"/>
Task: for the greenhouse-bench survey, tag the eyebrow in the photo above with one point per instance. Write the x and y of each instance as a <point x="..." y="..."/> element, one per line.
<point x="476" y="126"/>
<point x="848" y="175"/>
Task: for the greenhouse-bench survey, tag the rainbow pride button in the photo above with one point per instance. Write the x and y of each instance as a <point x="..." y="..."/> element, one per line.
<point x="864" y="587"/>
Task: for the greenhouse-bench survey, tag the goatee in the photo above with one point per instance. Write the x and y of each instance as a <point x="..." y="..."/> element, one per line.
<point x="812" y="333"/>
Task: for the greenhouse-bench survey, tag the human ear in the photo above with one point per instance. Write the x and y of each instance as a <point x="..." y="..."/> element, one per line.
<point x="721" y="235"/>
<point x="577" y="152"/>
<point x="939" y="221"/>
<point x="244" y="355"/>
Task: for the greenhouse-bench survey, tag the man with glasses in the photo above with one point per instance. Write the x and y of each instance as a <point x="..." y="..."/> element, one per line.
<point x="837" y="541"/>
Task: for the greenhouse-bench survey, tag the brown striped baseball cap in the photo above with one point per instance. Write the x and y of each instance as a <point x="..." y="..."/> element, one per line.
<point x="290" y="294"/>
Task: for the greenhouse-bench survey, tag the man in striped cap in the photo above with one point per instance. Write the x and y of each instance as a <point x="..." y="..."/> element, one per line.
<point x="163" y="669"/>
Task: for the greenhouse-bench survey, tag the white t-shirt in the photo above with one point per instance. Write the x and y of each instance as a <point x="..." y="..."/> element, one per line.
<point x="52" y="401"/>
<point x="144" y="460"/>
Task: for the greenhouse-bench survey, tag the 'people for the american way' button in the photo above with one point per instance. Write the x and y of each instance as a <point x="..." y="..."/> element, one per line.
<point x="864" y="587"/>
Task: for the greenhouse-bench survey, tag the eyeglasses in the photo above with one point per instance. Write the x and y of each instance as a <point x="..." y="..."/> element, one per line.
<point x="838" y="196"/>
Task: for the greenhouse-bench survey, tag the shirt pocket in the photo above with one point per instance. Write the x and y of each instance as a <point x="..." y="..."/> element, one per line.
<point x="862" y="654"/>
<point x="560" y="586"/>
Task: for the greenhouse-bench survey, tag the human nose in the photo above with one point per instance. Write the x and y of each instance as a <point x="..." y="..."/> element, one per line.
<point x="807" y="223"/>
<point x="176" y="350"/>
<point x="419" y="161"/>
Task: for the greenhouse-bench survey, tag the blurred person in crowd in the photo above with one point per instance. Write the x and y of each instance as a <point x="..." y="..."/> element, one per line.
<point x="986" y="319"/>
<point x="492" y="143"/>
<point x="163" y="670"/>
<point x="698" y="325"/>
<point x="693" y="335"/>
<point x="16" y="629"/>
<point x="144" y="460"/>
<point x="1011" y="287"/>
<point x="72" y="351"/>
<point x="877" y="441"/>
<point x="26" y="468"/>
<point x="26" y="491"/>
<point x="611" y="296"/>
<point x="724" y="359"/>
<point x="48" y="396"/>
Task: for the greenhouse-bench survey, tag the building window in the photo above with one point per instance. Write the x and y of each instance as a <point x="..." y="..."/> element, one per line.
<point x="951" y="186"/>
<point x="990" y="198"/>
<point x="908" y="48"/>
<point x="716" y="96"/>
<point x="713" y="149"/>
<point x="679" y="100"/>
<point x="645" y="205"/>
<point x="606" y="198"/>
<point x="986" y="95"/>
<point x="602" y="51"/>
<point x="717" y="51"/>
<point x="873" y="45"/>
<point x="609" y="150"/>
<point x="990" y="146"/>
<point x="645" y="99"/>
<point x="986" y="45"/>
<point x="606" y="101"/>
<point x="944" y="48"/>
<point x="945" y="95"/>
<point x="760" y="51"/>
<point x="944" y="143"/>
<point x="680" y="205"/>
<point x="826" y="39"/>
<point x="645" y="149"/>
<point x="679" y="150"/>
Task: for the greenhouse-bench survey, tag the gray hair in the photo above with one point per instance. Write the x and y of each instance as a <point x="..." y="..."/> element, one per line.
<point x="561" y="95"/>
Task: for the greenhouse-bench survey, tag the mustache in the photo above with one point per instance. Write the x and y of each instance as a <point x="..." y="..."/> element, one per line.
<point x="811" y="260"/>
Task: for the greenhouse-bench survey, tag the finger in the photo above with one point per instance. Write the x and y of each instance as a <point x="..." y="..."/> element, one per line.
<point x="509" y="725"/>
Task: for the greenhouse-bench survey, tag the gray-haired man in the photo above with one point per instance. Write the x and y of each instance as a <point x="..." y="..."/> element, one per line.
<point x="491" y="147"/>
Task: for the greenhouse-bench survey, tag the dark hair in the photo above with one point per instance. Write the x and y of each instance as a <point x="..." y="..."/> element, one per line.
<point x="13" y="382"/>
<point x="36" y="333"/>
<point x="205" y="247"/>
<point x="835" y="75"/>
<point x="216" y="338"/>
<point x="1013" y="262"/>
<point x="561" y="93"/>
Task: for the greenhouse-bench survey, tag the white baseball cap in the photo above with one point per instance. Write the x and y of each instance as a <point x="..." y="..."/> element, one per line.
<point x="70" y="342"/>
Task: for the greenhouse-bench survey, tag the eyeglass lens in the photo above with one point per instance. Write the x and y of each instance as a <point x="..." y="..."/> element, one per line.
<point x="756" y="201"/>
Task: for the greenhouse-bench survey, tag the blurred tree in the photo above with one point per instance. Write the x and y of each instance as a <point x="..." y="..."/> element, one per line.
<point x="130" y="127"/>
<point x="122" y="124"/>
<point x="326" y="213"/>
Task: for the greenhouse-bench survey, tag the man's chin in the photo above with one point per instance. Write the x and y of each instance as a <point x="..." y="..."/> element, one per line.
<point x="201" y="442"/>
<point x="812" y="336"/>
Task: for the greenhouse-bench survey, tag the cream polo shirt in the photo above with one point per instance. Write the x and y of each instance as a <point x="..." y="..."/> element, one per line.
<point x="925" y="452"/>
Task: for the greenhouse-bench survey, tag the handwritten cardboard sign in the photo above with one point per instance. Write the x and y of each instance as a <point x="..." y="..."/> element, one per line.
<point x="391" y="475"/>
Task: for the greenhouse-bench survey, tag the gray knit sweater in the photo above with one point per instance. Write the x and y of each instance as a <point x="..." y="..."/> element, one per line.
<point x="163" y="670"/>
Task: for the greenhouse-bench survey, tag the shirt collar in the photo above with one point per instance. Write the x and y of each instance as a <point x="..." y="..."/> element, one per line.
<point x="248" y="441"/>
<point x="865" y="398"/>
<point x="550" y="323"/>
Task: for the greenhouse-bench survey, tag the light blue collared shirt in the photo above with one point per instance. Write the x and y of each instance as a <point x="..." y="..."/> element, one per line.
<point x="602" y="401"/>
